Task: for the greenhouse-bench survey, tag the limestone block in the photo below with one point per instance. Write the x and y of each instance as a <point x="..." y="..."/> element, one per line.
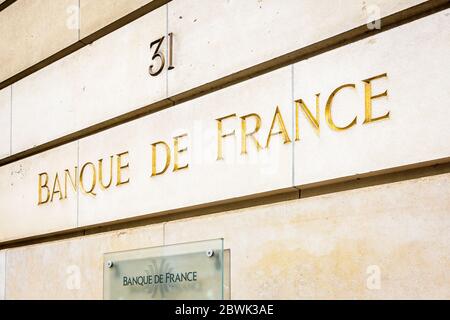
<point x="2" y="274"/>
<point x="73" y="268"/>
<point x="20" y="214"/>
<point x="5" y="121"/>
<point x="32" y="30"/>
<point x="96" y="14"/>
<point x="206" y="179"/>
<point x="388" y="241"/>
<point x="96" y="83"/>
<point x="214" y="39"/>
<point x="406" y="125"/>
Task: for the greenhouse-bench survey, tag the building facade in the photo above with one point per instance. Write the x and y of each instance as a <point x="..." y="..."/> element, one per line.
<point x="311" y="136"/>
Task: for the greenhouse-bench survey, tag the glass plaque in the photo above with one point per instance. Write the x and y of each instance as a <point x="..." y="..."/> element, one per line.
<point x="182" y="271"/>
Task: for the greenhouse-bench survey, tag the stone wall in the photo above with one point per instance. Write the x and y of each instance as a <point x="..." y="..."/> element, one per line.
<point x="311" y="138"/>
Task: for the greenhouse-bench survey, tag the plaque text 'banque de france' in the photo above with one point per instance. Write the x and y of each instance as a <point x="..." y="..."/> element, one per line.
<point x="183" y="271"/>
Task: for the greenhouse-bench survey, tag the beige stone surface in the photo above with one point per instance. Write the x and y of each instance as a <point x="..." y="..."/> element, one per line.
<point x="416" y="82"/>
<point x="407" y="134"/>
<point x="70" y="269"/>
<point x="20" y="215"/>
<point x="236" y="175"/>
<point x="388" y="241"/>
<point x="96" y="14"/>
<point x="2" y="274"/>
<point x="5" y="122"/>
<point x="206" y="179"/>
<point x="98" y="82"/>
<point x="109" y="77"/>
<point x="213" y="39"/>
<point x="32" y="30"/>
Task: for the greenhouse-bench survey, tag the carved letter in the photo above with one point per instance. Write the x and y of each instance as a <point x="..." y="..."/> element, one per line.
<point x="56" y="188"/>
<point x="94" y="179"/>
<point x="154" y="172"/>
<point x="368" y="97"/>
<point x="328" y="116"/>
<point x="244" y="133"/>
<point x="43" y="186"/>
<point x="279" y="119"/>
<point x="100" y="173"/>
<point x="221" y="135"/>
<point x="177" y="151"/>
<point x="315" y="121"/>
<point x="73" y="181"/>
<point x="120" y="167"/>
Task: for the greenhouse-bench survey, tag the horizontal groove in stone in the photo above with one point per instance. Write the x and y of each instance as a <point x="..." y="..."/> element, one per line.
<point x="347" y="37"/>
<point x="130" y="17"/>
<point x="6" y="4"/>
<point x="378" y="178"/>
<point x="159" y="217"/>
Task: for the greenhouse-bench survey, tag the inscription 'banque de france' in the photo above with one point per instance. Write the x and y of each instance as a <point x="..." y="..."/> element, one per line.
<point x="90" y="177"/>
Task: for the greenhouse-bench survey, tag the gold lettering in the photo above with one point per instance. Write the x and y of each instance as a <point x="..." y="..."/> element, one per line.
<point x="56" y="190"/>
<point x="177" y="151"/>
<point x="100" y="173"/>
<point x="94" y="179"/>
<point x="315" y="121"/>
<point x="244" y="133"/>
<point x="328" y="115"/>
<point x="279" y="119"/>
<point x="43" y="186"/>
<point x="221" y="135"/>
<point x="120" y="167"/>
<point x="368" y="97"/>
<point x="73" y="182"/>
<point x="154" y="172"/>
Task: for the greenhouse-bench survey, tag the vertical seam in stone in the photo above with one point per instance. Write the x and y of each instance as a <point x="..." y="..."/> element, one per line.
<point x="4" y="275"/>
<point x="78" y="186"/>
<point x="164" y="233"/>
<point x="167" y="49"/>
<point x="10" y="120"/>
<point x="79" y="20"/>
<point x="293" y="125"/>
